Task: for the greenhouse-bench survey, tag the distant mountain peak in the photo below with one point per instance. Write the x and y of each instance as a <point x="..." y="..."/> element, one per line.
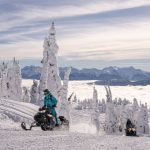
<point x="111" y="74"/>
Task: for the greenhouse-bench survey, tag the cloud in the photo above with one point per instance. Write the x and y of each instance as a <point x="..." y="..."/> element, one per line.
<point x="122" y="42"/>
<point x="86" y="30"/>
<point x="137" y="63"/>
<point x="28" y="49"/>
<point x="70" y="25"/>
<point x="25" y="11"/>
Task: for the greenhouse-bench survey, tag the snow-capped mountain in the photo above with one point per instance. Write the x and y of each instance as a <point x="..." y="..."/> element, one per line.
<point x="31" y="72"/>
<point x="113" y="75"/>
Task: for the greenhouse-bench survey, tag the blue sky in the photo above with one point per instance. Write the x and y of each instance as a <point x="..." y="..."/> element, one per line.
<point x="90" y="33"/>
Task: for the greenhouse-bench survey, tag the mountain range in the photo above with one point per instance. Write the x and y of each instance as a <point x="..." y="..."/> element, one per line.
<point x="110" y="75"/>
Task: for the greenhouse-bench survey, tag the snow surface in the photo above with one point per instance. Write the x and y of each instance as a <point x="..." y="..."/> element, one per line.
<point x="14" y="138"/>
<point x="12" y="113"/>
<point x="21" y="140"/>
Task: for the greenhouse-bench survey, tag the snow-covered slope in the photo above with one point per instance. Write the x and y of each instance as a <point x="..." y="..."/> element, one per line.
<point x="21" y="140"/>
<point x="14" y="112"/>
<point x="12" y="137"/>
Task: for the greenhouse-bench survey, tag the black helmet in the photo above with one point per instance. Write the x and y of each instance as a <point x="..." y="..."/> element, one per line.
<point x="46" y="91"/>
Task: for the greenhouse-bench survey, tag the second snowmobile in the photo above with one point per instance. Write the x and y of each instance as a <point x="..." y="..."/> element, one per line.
<point x="130" y="128"/>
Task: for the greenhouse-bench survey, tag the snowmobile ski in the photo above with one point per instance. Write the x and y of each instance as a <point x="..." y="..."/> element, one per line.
<point x="23" y="125"/>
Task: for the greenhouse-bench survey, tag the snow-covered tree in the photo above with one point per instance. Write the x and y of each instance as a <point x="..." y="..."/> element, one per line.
<point x="65" y="104"/>
<point x="15" y="80"/>
<point x="50" y="75"/>
<point x="4" y="83"/>
<point x="111" y="119"/>
<point x="124" y="112"/>
<point x="50" y="78"/>
<point x="34" y="92"/>
<point x="141" y="120"/>
<point x="135" y="105"/>
<point x="103" y="106"/>
<point x="95" y="99"/>
<point x="95" y="111"/>
<point x="10" y="80"/>
<point x="26" y="95"/>
<point x="146" y="120"/>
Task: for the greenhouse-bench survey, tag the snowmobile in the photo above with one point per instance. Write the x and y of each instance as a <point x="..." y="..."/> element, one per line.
<point x="46" y="121"/>
<point x="130" y="129"/>
<point x="131" y="132"/>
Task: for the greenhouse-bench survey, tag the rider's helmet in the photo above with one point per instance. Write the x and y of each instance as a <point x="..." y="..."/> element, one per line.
<point x="46" y="92"/>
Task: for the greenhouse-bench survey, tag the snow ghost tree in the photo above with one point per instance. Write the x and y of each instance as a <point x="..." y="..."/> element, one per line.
<point x="95" y="110"/>
<point x="111" y="119"/>
<point x="141" y="120"/>
<point x="65" y="84"/>
<point x="146" y="122"/>
<point x="135" y="105"/>
<point x="26" y="95"/>
<point x="15" y="80"/>
<point x="65" y="104"/>
<point x="50" y="75"/>
<point x="103" y="106"/>
<point x="4" y="83"/>
<point x="50" y="78"/>
<point x="124" y="112"/>
<point x="10" y="77"/>
<point x="95" y="99"/>
<point x="34" y="92"/>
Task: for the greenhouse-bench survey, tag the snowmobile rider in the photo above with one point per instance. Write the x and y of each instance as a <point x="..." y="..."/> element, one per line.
<point x="129" y="124"/>
<point x="50" y="103"/>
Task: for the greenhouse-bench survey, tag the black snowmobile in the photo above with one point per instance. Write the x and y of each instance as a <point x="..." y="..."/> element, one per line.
<point x="46" y="121"/>
<point x="130" y="129"/>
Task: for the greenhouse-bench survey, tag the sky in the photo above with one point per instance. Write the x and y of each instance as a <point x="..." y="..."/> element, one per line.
<point x="90" y="33"/>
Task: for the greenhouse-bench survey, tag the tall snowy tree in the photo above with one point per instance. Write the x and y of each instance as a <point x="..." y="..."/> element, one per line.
<point x="103" y="106"/>
<point x="146" y="120"/>
<point x="10" y="80"/>
<point x="50" y="78"/>
<point x="95" y="111"/>
<point x="34" y="92"/>
<point x="111" y="119"/>
<point x="142" y="125"/>
<point x="65" y="104"/>
<point x="50" y="75"/>
<point x="95" y="99"/>
<point x="14" y="81"/>
<point x="4" y="84"/>
<point x="135" y="105"/>
<point x="26" y="95"/>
